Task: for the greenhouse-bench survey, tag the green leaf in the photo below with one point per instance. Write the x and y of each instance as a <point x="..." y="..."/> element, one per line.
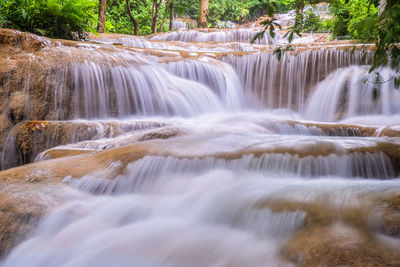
<point x="396" y="82"/>
<point x="270" y="11"/>
<point x="291" y="37"/>
<point x="375" y="93"/>
<point x="257" y="36"/>
<point x="278" y="53"/>
<point x="272" y="31"/>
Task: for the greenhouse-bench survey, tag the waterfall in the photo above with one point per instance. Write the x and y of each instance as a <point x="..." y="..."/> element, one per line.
<point x="235" y="35"/>
<point x="141" y="42"/>
<point x="142" y="89"/>
<point x="144" y="173"/>
<point x="287" y="83"/>
<point x="218" y="76"/>
<point x="195" y="148"/>
<point x="123" y="84"/>
<point x="214" y="217"/>
<point x="349" y="92"/>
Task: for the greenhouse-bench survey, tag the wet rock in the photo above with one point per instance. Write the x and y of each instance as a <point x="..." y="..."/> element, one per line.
<point x="76" y="166"/>
<point x="62" y="152"/>
<point x="387" y="219"/>
<point x="18" y="217"/>
<point x="16" y="107"/>
<point x="24" y="40"/>
<point x="338" y="245"/>
<point x="28" y="139"/>
<point x="24" y="143"/>
<point x="335" y="235"/>
<point x="160" y="134"/>
<point x="394" y="202"/>
<point x="23" y="69"/>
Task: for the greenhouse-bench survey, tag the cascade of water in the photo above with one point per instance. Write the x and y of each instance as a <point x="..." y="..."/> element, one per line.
<point x="218" y="76"/>
<point x="9" y="152"/>
<point x="201" y="220"/>
<point x="145" y="90"/>
<point x="125" y="84"/>
<point x="144" y="173"/>
<point x="140" y="42"/>
<point x="235" y="35"/>
<point x="179" y="25"/>
<point x="288" y="82"/>
<point x="242" y="188"/>
<point x="349" y="92"/>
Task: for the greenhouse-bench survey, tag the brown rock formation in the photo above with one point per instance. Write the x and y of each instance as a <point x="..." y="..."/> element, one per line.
<point x="335" y="236"/>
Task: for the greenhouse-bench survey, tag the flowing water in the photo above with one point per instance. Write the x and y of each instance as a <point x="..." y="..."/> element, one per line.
<point x="245" y="157"/>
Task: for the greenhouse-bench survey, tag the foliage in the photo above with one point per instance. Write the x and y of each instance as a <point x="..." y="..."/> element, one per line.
<point x="187" y="8"/>
<point x="270" y="25"/>
<point x="363" y="20"/>
<point x="326" y="26"/>
<point x="311" y="23"/>
<point x="387" y="44"/>
<point x="356" y="19"/>
<point x="359" y="19"/>
<point x="118" y="20"/>
<point x="229" y="10"/>
<point x="225" y="10"/>
<point x="53" y="18"/>
<point x="340" y="14"/>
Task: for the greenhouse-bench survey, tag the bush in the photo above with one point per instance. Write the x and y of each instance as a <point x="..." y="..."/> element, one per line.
<point x="118" y="21"/>
<point x="66" y="19"/>
<point x="326" y="26"/>
<point x="357" y="19"/>
<point x="363" y="20"/>
<point x="311" y="22"/>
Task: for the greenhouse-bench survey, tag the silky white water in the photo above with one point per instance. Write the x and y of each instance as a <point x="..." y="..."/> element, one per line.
<point x="184" y="220"/>
<point x="243" y="151"/>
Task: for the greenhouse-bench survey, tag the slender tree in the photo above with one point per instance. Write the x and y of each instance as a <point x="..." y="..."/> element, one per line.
<point x="102" y="16"/>
<point x="203" y="14"/>
<point x="171" y="14"/>
<point x="169" y="7"/>
<point x="134" y="21"/>
<point x="155" y="14"/>
<point x="165" y="16"/>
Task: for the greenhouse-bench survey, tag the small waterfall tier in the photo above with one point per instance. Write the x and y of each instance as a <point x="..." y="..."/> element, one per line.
<point x="232" y="35"/>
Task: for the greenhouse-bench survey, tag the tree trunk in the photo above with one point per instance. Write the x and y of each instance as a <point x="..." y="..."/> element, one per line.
<point x="155" y="12"/>
<point x="381" y="7"/>
<point x="203" y="14"/>
<point x="171" y="14"/>
<point x="102" y="16"/>
<point x="134" y="21"/>
<point x="164" y="17"/>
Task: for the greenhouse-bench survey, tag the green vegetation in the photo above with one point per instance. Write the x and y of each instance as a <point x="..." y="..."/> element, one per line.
<point x="356" y="19"/>
<point x="53" y="18"/>
<point x="312" y="23"/>
<point x="118" y="20"/>
<point x="359" y="19"/>
<point x="60" y="18"/>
